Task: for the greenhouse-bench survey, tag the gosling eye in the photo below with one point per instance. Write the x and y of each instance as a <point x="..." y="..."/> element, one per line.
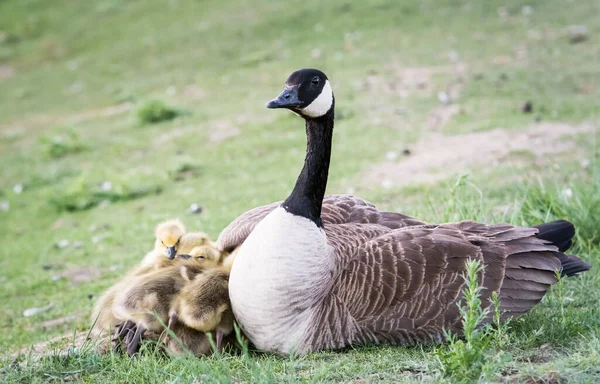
<point x="316" y="80"/>
<point x="200" y="257"/>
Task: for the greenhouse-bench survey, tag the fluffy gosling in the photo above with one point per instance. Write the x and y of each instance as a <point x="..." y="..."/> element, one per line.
<point x="203" y="304"/>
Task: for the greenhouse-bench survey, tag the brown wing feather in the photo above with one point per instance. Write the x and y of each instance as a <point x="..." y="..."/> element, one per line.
<point x="239" y="229"/>
<point x="402" y="285"/>
<point x="337" y="209"/>
<point x="344" y="209"/>
<point x="405" y="281"/>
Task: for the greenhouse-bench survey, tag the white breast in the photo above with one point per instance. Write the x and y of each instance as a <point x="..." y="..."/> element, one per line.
<point x="283" y="269"/>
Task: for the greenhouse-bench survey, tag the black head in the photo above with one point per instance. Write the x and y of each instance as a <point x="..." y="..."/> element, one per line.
<point x="307" y="92"/>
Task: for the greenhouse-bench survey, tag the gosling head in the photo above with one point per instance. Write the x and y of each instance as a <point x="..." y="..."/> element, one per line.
<point x="307" y="92"/>
<point x="204" y="254"/>
<point x="168" y="236"/>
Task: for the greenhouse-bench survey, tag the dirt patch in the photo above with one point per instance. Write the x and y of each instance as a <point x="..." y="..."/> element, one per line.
<point x="71" y="344"/>
<point x="81" y="275"/>
<point x="219" y="130"/>
<point x="59" y="321"/>
<point x="437" y="157"/>
<point x="404" y="81"/>
<point x="61" y="346"/>
<point x="171" y="134"/>
<point x="110" y="111"/>
<point x="542" y="354"/>
<point x="43" y="121"/>
<point x="548" y="378"/>
<point x="6" y="72"/>
<point x="442" y="115"/>
<point x="193" y="92"/>
<point x="223" y="130"/>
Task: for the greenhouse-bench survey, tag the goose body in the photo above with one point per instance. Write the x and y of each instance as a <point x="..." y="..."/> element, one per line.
<point x="285" y="273"/>
<point x="316" y="272"/>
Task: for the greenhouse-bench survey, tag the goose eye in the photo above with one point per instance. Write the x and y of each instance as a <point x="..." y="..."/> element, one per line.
<point x="315" y="80"/>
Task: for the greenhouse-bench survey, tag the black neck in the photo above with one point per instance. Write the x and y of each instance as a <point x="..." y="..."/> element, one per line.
<point x="307" y="197"/>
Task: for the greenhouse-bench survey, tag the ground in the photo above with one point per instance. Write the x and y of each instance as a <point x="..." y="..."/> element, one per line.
<point x="446" y="110"/>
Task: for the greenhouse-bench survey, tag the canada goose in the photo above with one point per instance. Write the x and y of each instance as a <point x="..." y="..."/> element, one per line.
<point x="203" y="304"/>
<point x="194" y="245"/>
<point x="161" y="255"/>
<point x="192" y="340"/>
<point x="228" y="258"/>
<point x="194" y="239"/>
<point x="318" y="273"/>
<point x="207" y="255"/>
<point x="187" y="339"/>
<point x="147" y="299"/>
<point x="102" y="318"/>
<point x="168" y="235"/>
<point x="172" y="239"/>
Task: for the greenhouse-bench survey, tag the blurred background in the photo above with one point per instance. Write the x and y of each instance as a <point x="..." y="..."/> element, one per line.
<point x="115" y="115"/>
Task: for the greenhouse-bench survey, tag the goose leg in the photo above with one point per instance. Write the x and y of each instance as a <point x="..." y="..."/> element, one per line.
<point x="219" y="339"/>
<point x="121" y="334"/>
<point x="173" y="319"/>
<point x="129" y="337"/>
<point x="170" y="326"/>
<point x="135" y="342"/>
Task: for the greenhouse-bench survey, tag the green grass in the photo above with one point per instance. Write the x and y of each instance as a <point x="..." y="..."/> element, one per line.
<point x="155" y="111"/>
<point x="81" y="71"/>
<point x="479" y="354"/>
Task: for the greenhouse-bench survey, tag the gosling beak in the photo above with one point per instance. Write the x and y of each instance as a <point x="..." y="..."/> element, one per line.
<point x="287" y="99"/>
<point x="185" y="257"/>
<point x="171" y="253"/>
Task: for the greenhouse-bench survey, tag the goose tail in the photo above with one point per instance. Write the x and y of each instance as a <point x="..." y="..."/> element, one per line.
<point x="571" y="265"/>
<point x="531" y="270"/>
<point x="560" y="233"/>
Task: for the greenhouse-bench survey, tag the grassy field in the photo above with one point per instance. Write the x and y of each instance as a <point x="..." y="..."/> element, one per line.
<point x="431" y="121"/>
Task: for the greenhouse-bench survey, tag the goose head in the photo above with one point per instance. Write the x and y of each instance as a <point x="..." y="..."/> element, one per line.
<point x="206" y="255"/>
<point x="168" y="235"/>
<point x="307" y="92"/>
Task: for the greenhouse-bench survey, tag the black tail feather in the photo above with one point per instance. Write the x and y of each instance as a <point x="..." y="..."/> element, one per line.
<point x="559" y="233"/>
<point x="571" y="265"/>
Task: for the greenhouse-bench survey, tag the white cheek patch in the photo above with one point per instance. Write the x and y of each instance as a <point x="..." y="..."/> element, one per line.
<point x="321" y="104"/>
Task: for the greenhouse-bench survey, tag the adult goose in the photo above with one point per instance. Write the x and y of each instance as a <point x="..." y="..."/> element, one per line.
<point x="317" y="272"/>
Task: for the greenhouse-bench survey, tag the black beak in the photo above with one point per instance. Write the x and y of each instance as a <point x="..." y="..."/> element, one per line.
<point x="185" y="257"/>
<point x="287" y="99"/>
<point x="171" y="253"/>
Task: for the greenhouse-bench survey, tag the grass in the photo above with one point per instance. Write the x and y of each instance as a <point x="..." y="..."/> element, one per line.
<point x="80" y="195"/>
<point x="58" y="146"/>
<point x="155" y="111"/>
<point x="478" y="355"/>
<point x="80" y="71"/>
